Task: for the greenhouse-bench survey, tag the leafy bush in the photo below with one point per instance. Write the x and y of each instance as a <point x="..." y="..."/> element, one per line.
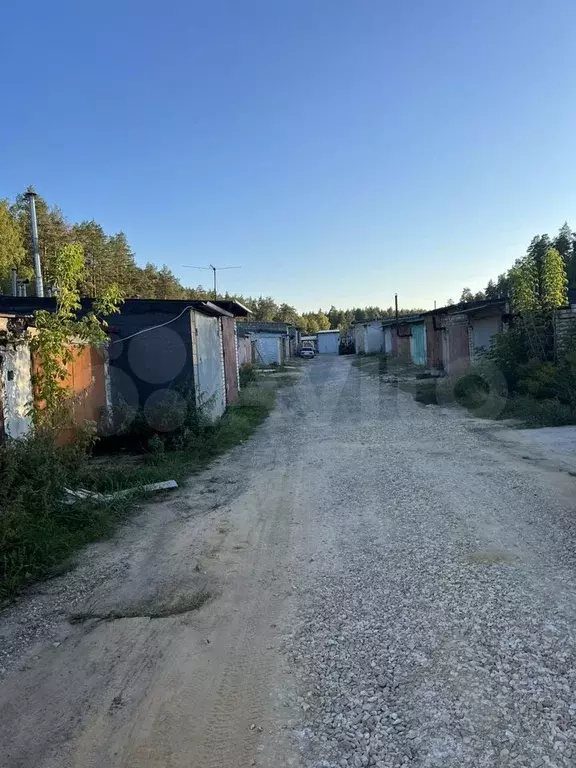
<point x="248" y="375"/>
<point x="508" y="352"/>
<point x="471" y="391"/>
<point x="549" y="412"/>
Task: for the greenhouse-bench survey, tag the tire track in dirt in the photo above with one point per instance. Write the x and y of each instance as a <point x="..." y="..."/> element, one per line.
<point x="223" y="699"/>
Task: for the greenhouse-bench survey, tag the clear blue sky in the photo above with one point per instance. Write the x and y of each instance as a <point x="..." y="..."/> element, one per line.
<point x="339" y="150"/>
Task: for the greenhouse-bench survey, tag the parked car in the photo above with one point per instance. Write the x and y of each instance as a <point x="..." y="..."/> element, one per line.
<point x="307" y="352"/>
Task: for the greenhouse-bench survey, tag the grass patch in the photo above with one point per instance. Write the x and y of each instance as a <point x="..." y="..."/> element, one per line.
<point x="549" y="412"/>
<point x="38" y="531"/>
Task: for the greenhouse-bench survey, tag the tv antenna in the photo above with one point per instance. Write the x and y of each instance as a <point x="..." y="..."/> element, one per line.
<point x="214" y="270"/>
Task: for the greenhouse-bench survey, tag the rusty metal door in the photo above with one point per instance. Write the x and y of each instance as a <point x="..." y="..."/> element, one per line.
<point x="230" y="359"/>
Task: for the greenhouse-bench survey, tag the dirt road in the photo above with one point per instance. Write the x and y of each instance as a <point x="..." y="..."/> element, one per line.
<point x="366" y="582"/>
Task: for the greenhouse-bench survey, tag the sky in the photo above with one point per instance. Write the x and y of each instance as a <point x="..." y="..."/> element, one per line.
<point x="339" y="151"/>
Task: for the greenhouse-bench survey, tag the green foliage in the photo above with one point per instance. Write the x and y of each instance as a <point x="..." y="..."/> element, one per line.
<point x="554" y="281"/>
<point x="248" y="375"/>
<point x="539" y="413"/>
<point x="537" y="281"/>
<point x="508" y="353"/>
<point x="523" y="284"/>
<point x="564" y="243"/>
<point x="37" y="529"/>
<point x="471" y="391"/>
<point x="53" y="231"/>
<point x="542" y="391"/>
<point x="56" y="332"/>
<point x="12" y="251"/>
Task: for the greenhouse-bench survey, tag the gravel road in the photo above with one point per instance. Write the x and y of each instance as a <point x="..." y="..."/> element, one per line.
<point x="389" y="584"/>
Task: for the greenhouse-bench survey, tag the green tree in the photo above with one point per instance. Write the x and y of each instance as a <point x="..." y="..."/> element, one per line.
<point x="167" y="285"/>
<point x="554" y="281"/>
<point x="53" y="232"/>
<point x="93" y="240"/>
<point x="264" y="309"/>
<point x="311" y="323"/>
<point x="523" y="285"/>
<point x="503" y="286"/>
<point x="538" y="280"/>
<point x="322" y="321"/>
<point x="124" y="271"/>
<point x="491" y="291"/>
<point x="12" y="251"/>
<point x="466" y="295"/>
<point x="57" y="332"/>
<point x="564" y="242"/>
<point x="286" y="314"/>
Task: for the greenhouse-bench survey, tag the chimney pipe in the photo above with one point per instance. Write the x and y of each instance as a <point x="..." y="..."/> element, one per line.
<point x="31" y="195"/>
<point x="396" y="306"/>
<point x="14" y="282"/>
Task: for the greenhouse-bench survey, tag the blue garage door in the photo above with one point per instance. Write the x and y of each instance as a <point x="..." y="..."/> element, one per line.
<point x="418" y="345"/>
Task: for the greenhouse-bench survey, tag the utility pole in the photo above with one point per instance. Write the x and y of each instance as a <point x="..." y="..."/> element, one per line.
<point x="214" y="271"/>
<point x="31" y="195"/>
<point x="215" y="291"/>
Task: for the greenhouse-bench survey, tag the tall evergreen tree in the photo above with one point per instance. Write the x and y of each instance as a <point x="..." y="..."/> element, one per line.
<point x="564" y="243"/>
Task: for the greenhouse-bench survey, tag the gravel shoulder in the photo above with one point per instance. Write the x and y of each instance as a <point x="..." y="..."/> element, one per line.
<point x="387" y="584"/>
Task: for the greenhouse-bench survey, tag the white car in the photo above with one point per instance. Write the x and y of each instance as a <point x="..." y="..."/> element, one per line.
<point x="307" y="352"/>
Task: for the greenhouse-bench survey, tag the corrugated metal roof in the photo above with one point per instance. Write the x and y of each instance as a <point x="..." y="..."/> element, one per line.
<point x="26" y="305"/>
<point x="234" y="307"/>
<point x="257" y="326"/>
<point x="402" y="319"/>
<point x="465" y="306"/>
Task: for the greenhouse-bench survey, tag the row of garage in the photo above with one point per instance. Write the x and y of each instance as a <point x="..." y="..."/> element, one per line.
<point x="444" y="340"/>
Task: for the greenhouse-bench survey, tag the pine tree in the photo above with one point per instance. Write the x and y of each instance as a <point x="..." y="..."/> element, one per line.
<point x="564" y="242"/>
<point x="491" y="291"/>
<point x="53" y="232"/>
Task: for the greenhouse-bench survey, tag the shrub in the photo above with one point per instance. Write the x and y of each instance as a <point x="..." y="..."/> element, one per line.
<point x="508" y="352"/>
<point x="539" y="413"/>
<point x="248" y="375"/>
<point x="471" y="391"/>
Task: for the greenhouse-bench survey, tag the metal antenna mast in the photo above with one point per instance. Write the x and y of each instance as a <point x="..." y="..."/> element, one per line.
<point x="214" y="270"/>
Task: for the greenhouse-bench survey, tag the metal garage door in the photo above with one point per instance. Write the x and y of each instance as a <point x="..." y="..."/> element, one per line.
<point x="482" y="332"/>
<point x="418" y="344"/>
<point x="208" y="366"/>
<point x="268" y="350"/>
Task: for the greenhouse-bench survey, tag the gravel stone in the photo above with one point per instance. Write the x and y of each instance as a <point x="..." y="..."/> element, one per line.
<point x="437" y="625"/>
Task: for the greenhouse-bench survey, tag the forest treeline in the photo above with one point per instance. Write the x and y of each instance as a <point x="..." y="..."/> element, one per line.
<point x="542" y="249"/>
<point x="110" y="260"/>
